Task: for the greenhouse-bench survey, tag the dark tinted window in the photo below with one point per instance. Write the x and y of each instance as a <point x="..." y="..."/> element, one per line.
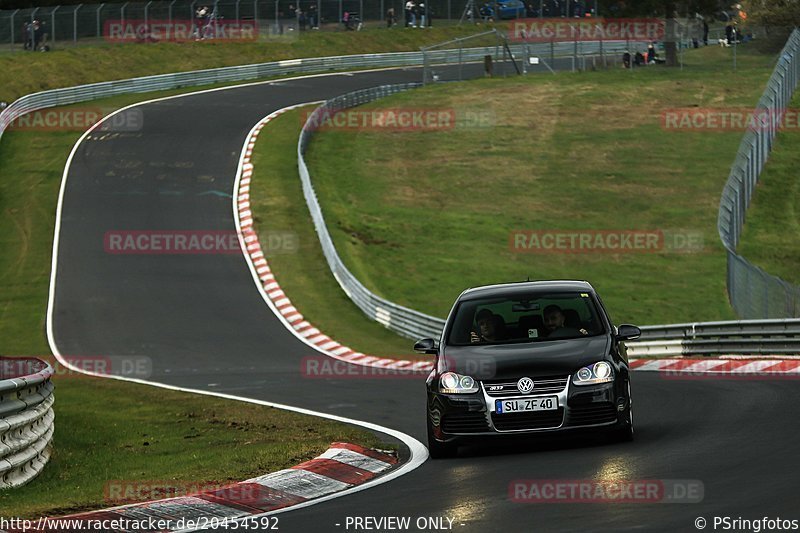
<point x="526" y="317"/>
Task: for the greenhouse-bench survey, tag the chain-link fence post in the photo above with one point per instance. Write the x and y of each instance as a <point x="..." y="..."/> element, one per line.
<point x="14" y="14"/>
<point x="97" y="17"/>
<point x="75" y="23"/>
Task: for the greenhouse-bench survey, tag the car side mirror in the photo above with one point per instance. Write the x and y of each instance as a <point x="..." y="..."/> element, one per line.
<point x="428" y="346"/>
<point x="627" y="332"/>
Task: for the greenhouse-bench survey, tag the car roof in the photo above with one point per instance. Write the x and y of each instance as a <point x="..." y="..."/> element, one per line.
<point x="513" y="288"/>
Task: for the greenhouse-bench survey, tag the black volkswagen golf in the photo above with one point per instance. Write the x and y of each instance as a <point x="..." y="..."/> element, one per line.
<point x="524" y="358"/>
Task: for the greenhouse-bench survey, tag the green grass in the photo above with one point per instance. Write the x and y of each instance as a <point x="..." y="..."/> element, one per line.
<point x="109" y="433"/>
<point x="278" y="204"/>
<point x="24" y="73"/>
<point x="102" y="425"/>
<point x="418" y="216"/>
<point x="770" y="237"/>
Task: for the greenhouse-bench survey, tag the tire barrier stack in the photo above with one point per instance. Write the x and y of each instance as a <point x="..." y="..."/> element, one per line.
<point x="26" y="419"/>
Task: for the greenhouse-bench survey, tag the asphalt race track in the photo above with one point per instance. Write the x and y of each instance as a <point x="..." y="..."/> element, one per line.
<point x="202" y="321"/>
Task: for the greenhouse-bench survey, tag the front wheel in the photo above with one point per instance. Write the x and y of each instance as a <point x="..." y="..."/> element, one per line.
<point x="625" y="433"/>
<point x="440" y="450"/>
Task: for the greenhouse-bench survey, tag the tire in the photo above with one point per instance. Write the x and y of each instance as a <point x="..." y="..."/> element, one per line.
<point x="626" y="432"/>
<point x="623" y="434"/>
<point x="440" y="450"/>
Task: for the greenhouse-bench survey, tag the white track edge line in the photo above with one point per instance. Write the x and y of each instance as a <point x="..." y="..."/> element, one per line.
<point x="419" y="453"/>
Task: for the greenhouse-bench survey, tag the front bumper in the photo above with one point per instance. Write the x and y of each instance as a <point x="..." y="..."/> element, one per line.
<point x="454" y="416"/>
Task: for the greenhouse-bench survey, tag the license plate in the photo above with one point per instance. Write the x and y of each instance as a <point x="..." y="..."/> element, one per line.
<point x="543" y="403"/>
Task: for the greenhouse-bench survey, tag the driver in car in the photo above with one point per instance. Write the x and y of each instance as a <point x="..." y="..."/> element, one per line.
<point x="487" y="327"/>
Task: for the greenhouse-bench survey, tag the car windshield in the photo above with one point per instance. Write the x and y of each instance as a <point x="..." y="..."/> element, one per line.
<point x="528" y="317"/>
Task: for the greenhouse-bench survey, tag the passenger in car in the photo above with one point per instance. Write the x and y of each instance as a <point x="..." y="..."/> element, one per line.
<point x="555" y="322"/>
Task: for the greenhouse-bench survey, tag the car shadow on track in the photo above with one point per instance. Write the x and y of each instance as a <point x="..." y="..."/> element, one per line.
<point x="544" y="444"/>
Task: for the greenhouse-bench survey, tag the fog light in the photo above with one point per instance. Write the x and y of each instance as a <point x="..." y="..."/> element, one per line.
<point x="621" y="404"/>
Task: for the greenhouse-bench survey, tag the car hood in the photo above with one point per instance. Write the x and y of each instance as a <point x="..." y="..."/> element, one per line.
<point x="539" y="359"/>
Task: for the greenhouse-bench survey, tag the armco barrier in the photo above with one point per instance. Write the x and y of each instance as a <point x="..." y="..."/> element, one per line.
<point x="83" y="93"/>
<point x="26" y="419"/>
<point x="754" y="293"/>
<point x="743" y="337"/>
<point x="403" y="320"/>
<point x="756" y="337"/>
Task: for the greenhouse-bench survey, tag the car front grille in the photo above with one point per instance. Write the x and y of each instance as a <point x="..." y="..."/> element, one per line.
<point x="592" y="413"/>
<point x="522" y="421"/>
<point x="473" y="422"/>
<point x="507" y="387"/>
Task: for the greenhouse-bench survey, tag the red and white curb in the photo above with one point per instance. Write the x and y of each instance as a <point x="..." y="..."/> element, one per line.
<point x="341" y="467"/>
<point x="294" y="321"/>
<point x="735" y="367"/>
<point x="269" y="286"/>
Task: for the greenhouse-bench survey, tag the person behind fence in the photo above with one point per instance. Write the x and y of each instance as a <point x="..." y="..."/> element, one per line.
<point x="423" y="19"/>
<point x="302" y="21"/>
<point x="486" y="12"/>
<point x="651" y="54"/>
<point x="32" y="34"/>
<point x="313" y="18"/>
<point x="626" y="60"/>
<point x="200" y="16"/>
<point x="411" y="17"/>
<point x="391" y="19"/>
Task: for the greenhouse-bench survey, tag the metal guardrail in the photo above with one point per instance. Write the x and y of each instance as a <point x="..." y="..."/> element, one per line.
<point x="754" y="293"/>
<point x="737" y="337"/>
<point x="82" y="93"/>
<point x="402" y="320"/>
<point x="747" y="337"/>
<point x="26" y="419"/>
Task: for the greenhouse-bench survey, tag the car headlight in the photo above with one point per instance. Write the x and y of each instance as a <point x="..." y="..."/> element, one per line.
<point x="600" y="372"/>
<point x="452" y="383"/>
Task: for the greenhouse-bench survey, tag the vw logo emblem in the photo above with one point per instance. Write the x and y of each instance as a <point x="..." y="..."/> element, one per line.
<point x="525" y="385"/>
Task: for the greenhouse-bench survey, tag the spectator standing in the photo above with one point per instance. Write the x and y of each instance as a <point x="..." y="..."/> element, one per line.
<point x="313" y="16"/>
<point x="391" y="20"/>
<point x="37" y="34"/>
<point x="422" y="15"/>
<point x="705" y="32"/>
<point x="31" y="35"/>
<point x="301" y="19"/>
<point x="411" y="16"/>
